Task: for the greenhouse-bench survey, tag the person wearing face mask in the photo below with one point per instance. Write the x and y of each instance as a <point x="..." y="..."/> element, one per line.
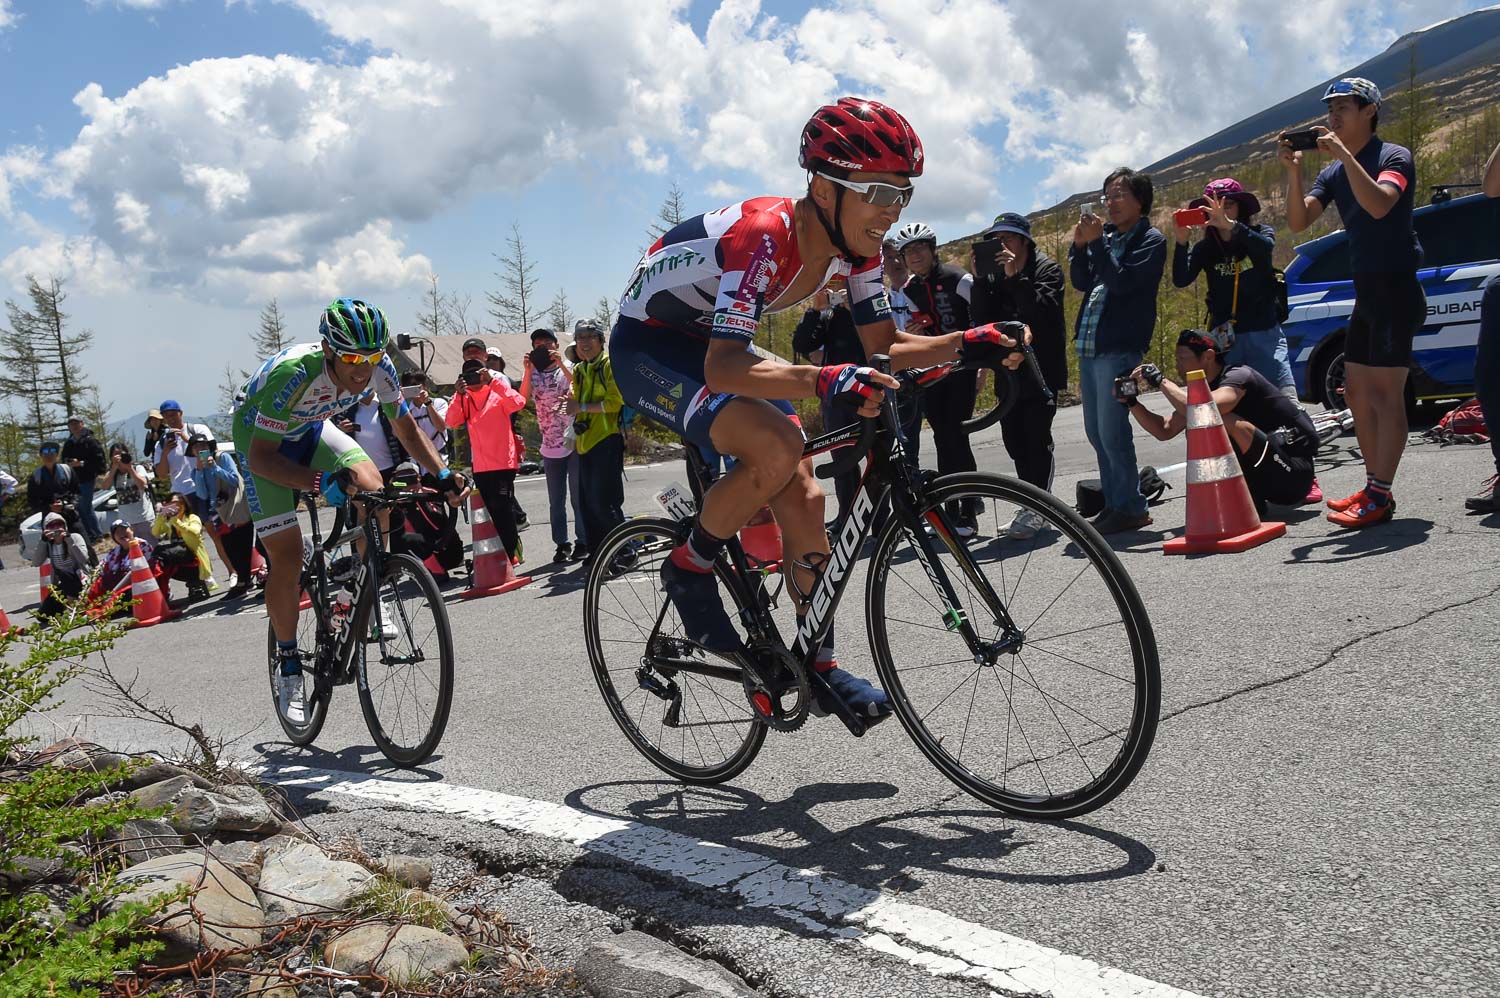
<point x="546" y="383"/>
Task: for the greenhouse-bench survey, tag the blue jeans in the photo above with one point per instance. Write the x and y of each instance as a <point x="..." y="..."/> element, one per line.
<point x="1107" y="424"/>
<point x="562" y="485"/>
<point x="1265" y="351"/>
<point x="1487" y="363"/>
<point x="86" y="515"/>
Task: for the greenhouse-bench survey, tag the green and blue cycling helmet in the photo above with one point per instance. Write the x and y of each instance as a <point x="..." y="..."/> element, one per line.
<point x="353" y="326"/>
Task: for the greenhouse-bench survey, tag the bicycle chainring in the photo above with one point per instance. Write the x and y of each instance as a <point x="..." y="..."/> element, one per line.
<point x="771" y="676"/>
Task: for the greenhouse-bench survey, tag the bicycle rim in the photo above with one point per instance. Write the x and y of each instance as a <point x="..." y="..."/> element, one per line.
<point x="1062" y="725"/>
<point x="695" y="728"/>
<point x="315" y="696"/>
<point x="406" y="677"/>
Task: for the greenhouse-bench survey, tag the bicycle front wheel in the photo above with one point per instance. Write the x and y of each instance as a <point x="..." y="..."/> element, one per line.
<point x="684" y="709"/>
<point x="1056" y="713"/>
<point x="406" y="663"/>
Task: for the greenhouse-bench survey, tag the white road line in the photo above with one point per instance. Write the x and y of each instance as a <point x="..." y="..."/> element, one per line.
<point x="932" y="940"/>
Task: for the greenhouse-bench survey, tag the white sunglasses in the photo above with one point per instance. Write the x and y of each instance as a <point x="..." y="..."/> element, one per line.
<point x="880" y="195"/>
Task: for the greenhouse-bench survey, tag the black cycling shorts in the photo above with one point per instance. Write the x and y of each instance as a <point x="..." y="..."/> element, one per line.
<point x="1274" y="471"/>
<point x="659" y="371"/>
<point x="1389" y="310"/>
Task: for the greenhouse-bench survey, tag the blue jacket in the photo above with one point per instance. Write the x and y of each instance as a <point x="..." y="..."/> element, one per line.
<point x="1129" y="317"/>
<point x="206" y="480"/>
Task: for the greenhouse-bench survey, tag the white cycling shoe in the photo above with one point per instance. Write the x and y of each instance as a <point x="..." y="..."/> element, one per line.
<point x="290" y="699"/>
<point x="385" y="628"/>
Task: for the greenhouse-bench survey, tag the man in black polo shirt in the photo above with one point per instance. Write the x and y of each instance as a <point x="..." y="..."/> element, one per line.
<point x="1373" y="182"/>
<point x="1272" y="436"/>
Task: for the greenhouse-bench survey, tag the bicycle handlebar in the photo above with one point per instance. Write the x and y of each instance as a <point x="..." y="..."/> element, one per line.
<point x="849" y="456"/>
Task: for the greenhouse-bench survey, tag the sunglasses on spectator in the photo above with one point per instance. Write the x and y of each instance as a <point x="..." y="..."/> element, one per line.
<point x="880" y="195"/>
<point x="361" y="358"/>
<point x="48" y="450"/>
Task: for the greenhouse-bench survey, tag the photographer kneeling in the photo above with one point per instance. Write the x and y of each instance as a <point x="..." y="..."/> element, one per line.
<point x="1271" y="435"/>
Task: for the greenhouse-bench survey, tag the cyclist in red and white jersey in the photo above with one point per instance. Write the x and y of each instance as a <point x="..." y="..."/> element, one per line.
<point x="681" y="348"/>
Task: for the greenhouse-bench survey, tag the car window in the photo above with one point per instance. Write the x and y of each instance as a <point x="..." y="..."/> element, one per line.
<point x="1463" y="232"/>
<point x="1332" y="265"/>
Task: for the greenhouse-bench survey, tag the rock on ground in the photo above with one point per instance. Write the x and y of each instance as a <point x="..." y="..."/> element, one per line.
<point x="233" y="809"/>
<point x="406" y="953"/>
<point x="633" y="963"/>
<point x="145" y="838"/>
<point x="302" y="880"/>
<point x="222" y="914"/>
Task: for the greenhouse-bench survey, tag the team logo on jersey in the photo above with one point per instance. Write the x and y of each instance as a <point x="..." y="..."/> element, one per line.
<point x="289" y="389"/>
<point x="654" y="378"/>
<point x="666" y="403"/>
<point x="267" y="423"/>
<point x="676" y="391"/>
<point x="742" y="307"/>
<point x="737" y="322"/>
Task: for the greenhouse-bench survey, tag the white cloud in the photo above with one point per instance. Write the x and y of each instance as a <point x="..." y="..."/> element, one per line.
<point x="243" y="177"/>
<point x="8" y="17"/>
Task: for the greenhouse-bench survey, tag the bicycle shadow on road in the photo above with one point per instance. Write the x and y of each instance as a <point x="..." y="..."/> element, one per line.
<point x="1396" y="535"/>
<point x="885" y="853"/>
<point x="283" y="758"/>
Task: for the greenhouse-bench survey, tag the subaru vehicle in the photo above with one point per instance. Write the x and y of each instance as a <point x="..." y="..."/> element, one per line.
<point x="1460" y="250"/>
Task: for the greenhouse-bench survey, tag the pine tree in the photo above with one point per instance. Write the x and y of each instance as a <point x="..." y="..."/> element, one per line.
<point x="604" y="312"/>
<point x="41" y="357"/>
<point x="673" y="212"/>
<point x="21" y="376"/>
<point x="514" y="307"/>
<point x="271" y="338"/>
<point x="559" y="313"/>
<point x="430" y="321"/>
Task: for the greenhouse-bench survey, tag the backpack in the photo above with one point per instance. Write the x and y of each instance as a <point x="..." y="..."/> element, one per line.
<point x="1464" y="425"/>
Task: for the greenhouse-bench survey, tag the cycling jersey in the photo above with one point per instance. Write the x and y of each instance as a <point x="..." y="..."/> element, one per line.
<point x="714" y="275"/>
<point x="289" y="399"/>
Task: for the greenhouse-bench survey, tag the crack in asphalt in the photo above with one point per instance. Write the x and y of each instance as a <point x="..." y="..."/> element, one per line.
<point x="1329" y="658"/>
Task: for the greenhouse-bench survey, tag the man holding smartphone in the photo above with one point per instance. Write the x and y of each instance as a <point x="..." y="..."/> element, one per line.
<point x="1016" y="282"/>
<point x="1373" y="182"/>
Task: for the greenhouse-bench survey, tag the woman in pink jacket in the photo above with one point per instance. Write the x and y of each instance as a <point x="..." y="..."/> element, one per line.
<point x="484" y="404"/>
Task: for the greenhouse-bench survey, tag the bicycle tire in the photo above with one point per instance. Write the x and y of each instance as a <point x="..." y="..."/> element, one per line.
<point x="397" y="567"/>
<point x="322" y="693"/>
<point x="750" y="734"/>
<point x="1142" y="702"/>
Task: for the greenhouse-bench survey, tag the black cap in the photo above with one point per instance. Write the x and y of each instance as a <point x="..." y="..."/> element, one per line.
<point x="544" y="334"/>
<point x="474" y="341"/>
<point x="1010" y="222"/>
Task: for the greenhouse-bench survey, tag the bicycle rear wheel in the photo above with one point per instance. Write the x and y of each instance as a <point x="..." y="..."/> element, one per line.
<point x="315" y="695"/>
<point x="1054" y="724"/>
<point x="694" y="726"/>
<point x="405" y="662"/>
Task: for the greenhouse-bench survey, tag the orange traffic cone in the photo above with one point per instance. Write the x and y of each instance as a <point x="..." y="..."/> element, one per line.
<point x="1221" y="517"/>
<point x="150" y="605"/>
<point x="761" y="539"/>
<point x="45" y="575"/>
<point x="4" y="621"/>
<point x="493" y="572"/>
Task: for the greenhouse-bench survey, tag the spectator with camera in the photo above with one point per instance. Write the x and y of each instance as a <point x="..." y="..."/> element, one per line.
<point x="474" y="349"/>
<point x="546" y="383"/>
<point x="483" y="402"/>
<point x="53" y="484"/>
<point x="71" y="560"/>
<point x="82" y="452"/>
<point x="114" y="570"/>
<point x="1273" y="437"/>
<point x="180" y="549"/>
<point x="1373" y="183"/>
<point x="222" y="489"/>
<point x="939" y="294"/>
<point x="1117" y="266"/>
<point x="1017" y="282"/>
<point x="169" y="458"/>
<point x="595" y="409"/>
<point x="427" y="411"/>
<point x="132" y="485"/>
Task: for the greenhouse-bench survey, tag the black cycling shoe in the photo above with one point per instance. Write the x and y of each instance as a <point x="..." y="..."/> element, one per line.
<point x="700" y="605"/>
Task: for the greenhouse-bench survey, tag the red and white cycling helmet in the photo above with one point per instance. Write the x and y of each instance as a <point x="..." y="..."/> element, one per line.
<point x="857" y="135"/>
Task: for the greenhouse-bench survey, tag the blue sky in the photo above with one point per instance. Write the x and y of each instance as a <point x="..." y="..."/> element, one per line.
<point x="181" y="161"/>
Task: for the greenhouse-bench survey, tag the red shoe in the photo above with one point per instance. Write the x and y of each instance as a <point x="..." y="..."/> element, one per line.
<point x="1314" y="494"/>
<point x="1339" y="505"/>
<point x="1365" y="514"/>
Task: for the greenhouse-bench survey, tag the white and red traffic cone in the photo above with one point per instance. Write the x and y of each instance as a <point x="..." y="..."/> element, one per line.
<point x="150" y="602"/>
<point x="44" y="576"/>
<point x="493" y="571"/>
<point x="1221" y="517"/>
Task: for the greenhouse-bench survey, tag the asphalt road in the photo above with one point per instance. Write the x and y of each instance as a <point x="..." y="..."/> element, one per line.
<point x="1317" y="817"/>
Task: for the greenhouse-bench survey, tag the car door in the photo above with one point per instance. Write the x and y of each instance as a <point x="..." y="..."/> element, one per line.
<point x="1460" y="252"/>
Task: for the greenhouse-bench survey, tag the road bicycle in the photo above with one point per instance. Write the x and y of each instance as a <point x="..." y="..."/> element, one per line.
<point x="376" y="620"/>
<point x="1025" y="670"/>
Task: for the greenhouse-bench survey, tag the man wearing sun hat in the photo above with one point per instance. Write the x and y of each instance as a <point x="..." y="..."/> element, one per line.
<point x="1374" y="184"/>
<point x="1023" y="284"/>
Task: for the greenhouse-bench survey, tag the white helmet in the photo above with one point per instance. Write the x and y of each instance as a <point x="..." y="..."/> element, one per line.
<point x="913" y="232"/>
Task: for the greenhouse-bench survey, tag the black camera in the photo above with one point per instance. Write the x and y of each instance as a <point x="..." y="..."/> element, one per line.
<point x="1302" y="139"/>
<point x="580" y="424"/>
<point x="471" y="377"/>
<point x="1126" y="388"/>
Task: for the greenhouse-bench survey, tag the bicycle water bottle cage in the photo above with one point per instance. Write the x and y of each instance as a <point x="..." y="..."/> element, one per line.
<point x="814" y="562"/>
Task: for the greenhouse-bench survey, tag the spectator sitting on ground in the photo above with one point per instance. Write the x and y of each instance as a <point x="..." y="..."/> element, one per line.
<point x="114" y="568"/>
<point x="69" y="554"/>
<point x="84" y="454"/>
<point x="169" y="458"/>
<point x="595" y="411"/>
<point x="222" y="488"/>
<point x="181" y="551"/>
<point x="427" y="411"/>
<point x="1023" y="284"/>
<point x="132" y="485"/>
<point x="1272" y="436"/>
<point x="1117" y="266"/>
<point x="546" y="382"/>
<point x="483" y="401"/>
